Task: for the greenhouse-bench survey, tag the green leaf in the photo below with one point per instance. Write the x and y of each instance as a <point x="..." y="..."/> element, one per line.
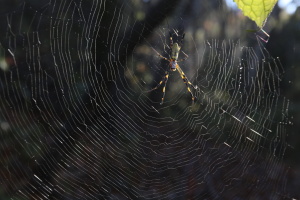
<point x="257" y="10"/>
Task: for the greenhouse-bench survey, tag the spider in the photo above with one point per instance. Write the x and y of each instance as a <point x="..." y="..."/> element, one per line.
<point x="173" y="64"/>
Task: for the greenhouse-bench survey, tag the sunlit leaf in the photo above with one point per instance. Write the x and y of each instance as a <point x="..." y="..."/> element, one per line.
<point x="257" y="10"/>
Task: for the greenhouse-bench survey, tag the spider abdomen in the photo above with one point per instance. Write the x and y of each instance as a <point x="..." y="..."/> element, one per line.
<point x="175" y="51"/>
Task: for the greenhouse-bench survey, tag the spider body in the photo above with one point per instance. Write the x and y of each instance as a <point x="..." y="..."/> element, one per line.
<point x="173" y="64"/>
<point x="174" y="56"/>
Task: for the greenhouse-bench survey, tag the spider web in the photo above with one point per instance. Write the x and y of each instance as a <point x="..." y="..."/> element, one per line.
<point x="77" y="122"/>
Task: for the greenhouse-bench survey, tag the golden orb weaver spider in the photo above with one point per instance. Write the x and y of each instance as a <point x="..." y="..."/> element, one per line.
<point x="173" y="64"/>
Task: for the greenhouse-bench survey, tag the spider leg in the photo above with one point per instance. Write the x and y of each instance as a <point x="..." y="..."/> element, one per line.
<point x="164" y="80"/>
<point x="160" y="55"/>
<point x="164" y="89"/>
<point x="183" y="59"/>
<point x="181" y="41"/>
<point x="186" y="81"/>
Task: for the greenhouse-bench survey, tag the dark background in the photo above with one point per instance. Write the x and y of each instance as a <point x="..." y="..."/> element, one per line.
<point x="40" y="124"/>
